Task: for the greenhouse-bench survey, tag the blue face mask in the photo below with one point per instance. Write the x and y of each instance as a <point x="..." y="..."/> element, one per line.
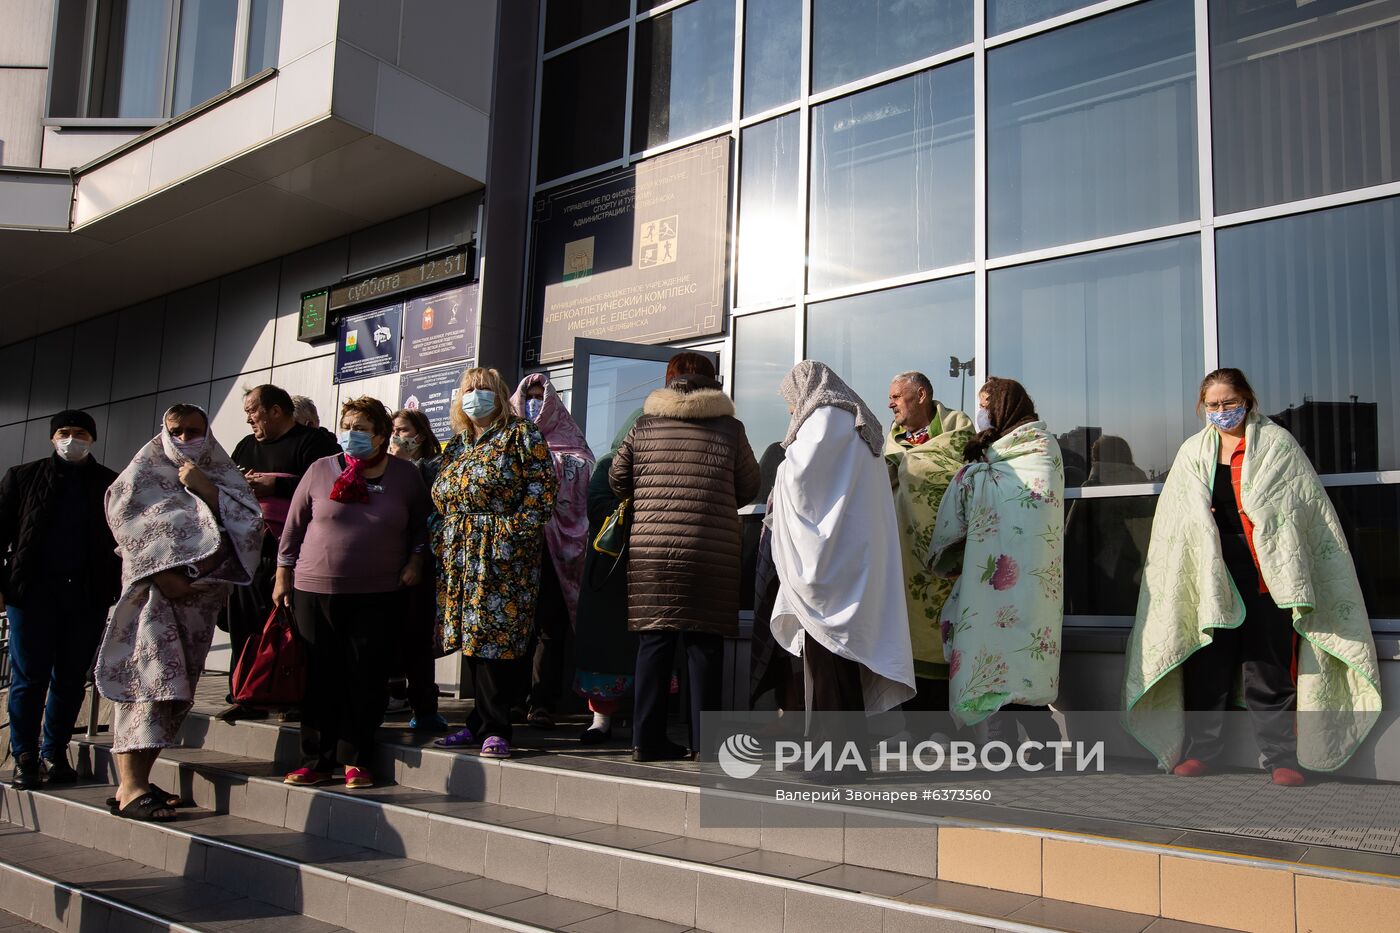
<point x="478" y="403"/>
<point x="357" y="444"/>
<point x="1228" y="419"/>
<point x="533" y="407"/>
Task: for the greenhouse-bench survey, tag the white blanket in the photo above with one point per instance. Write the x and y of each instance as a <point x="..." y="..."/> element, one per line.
<point x="836" y="549"/>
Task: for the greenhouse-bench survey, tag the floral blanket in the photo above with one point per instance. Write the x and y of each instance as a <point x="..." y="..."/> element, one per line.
<point x="154" y="647"/>
<point x="1000" y="531"/>
<point x="1303" y="557"/>
<point x="921" y="476"/>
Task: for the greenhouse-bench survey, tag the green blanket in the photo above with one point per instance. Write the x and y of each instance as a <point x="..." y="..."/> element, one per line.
<point x="1001" y="527"/>
<point x="920" y="476"/>
<point x="1187" y="591"/>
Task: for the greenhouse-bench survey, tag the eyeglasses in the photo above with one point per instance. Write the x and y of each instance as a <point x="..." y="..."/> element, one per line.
<point x="1225" y="405"/>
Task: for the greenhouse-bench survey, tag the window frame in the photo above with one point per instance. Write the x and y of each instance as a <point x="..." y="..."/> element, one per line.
<point x="169" y="44"/>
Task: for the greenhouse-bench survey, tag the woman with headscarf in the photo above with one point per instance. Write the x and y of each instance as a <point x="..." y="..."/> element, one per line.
<point x="494" y="494"/>
<point x="605" y="652"/>
<point x="556" y="608"/>
<point x="840" y="603"/>
<point x="686" y="465"/>
<point x="1000" y="532"/>
<point x="188" y="529"/>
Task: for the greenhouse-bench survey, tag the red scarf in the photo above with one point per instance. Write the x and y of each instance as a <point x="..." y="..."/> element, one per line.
<point x="350" y="485"/>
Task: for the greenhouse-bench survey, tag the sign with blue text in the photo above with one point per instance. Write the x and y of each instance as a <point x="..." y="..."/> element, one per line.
<point x="369" y="344"/>
<point x="433" y="392"/>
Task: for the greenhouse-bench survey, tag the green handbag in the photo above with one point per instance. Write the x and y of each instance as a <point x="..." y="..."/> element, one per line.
<point x="612" y="536"/>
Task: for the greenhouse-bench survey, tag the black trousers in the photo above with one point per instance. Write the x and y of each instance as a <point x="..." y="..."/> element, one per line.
<point x="704" y="659"/>
<point x="492" y="681"/>
<point x="415" y="657"/>
<point x="1263" y="646"/>
<point x="549" y="638"/>
<point x="347" y="637"/>
<point x="1006" y="724"/>
<point x="832" y="685"/>
<point x="249" y="606"/>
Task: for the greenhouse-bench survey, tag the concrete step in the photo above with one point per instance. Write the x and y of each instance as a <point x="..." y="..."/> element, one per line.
<point x="1139" y="870"/>
<point x="51" y="883"/>
<point x="666" y="877"/>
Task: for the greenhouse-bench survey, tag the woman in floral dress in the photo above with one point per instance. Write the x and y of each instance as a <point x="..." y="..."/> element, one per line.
<point x="495" y="493"/>
<point x="1000" y="532"/>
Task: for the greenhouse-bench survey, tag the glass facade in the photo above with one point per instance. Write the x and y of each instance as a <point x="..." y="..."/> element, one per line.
<point x="1094" y="199"/>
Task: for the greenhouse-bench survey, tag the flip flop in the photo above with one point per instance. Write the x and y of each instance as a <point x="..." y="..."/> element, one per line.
<point x="145" y="809"/>
<point x="174" y="801"/>
<point x="459" y="739"/>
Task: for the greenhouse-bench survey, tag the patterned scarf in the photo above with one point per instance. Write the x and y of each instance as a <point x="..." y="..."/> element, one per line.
<point x="350" y="485"/>
<point x="812" y="385"/>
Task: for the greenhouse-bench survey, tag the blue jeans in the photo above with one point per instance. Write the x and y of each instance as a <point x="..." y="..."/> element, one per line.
<point x="52" y="644"/>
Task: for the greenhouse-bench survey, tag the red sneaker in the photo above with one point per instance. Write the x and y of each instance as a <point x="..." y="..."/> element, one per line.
<point x="1191" y="767"/>
<point x="1287" y="777"/>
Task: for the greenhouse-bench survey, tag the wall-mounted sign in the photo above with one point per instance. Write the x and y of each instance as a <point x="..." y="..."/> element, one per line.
<point x="433" y="392"/>
<point x="369" y="344"/>
<point x="440" y="328"/>
<point x="442" y="268"/>
<point x="315" y="316"/>
<point x="636" y="255"/>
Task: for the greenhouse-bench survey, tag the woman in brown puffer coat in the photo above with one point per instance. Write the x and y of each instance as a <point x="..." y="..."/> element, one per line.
<point x="687" y="466"/>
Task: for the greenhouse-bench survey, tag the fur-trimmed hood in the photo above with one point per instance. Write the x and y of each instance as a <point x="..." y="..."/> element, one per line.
<point x="688" y="406"/>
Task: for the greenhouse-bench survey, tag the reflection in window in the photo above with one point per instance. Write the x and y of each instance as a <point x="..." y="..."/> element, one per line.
<point x="855" y="38"/>
<point x="264" y="35"/>
<point x="582" y="107"/>
<point x="1006" y="15"/>
<point x="892" y="179"/>
<point x="763" y="354"/>
<point x="869" y="338"/>
<point x="1108" y="344"/>
<point x="1092" y="129"/>
<point x="770" y="232"/>
<point x="1310" y="309"/>
<point x="684" y="73"/>
<point x="204" y="56"/>
<point x="1370" y="517"/>
<point x="567" y="20"/>
<point x="1303" y="98"/>
<point x="1105" y="549"/>
<point x="772" y="53"/>
<point x="128" y="67"/>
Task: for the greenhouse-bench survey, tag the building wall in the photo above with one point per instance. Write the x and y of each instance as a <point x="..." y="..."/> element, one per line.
<point x="25" y="27"/>
<point x="204" y="345"/>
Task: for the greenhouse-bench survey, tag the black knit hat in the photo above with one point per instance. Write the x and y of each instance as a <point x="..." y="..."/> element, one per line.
<point x="73" y="418"/>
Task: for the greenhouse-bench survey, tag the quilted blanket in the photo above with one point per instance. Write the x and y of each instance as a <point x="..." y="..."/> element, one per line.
<point x="1000" y="530"/>
<point x="1187" y="593"/>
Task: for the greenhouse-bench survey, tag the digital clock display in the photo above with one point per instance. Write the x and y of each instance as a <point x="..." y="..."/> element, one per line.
<point x="428" y="272"/>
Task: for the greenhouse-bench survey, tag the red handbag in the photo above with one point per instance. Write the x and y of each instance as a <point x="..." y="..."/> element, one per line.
<point x="272" y="669"/>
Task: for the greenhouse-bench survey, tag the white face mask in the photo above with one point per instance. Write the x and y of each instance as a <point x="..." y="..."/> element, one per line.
<point x="981" y="421"/>
<point x="72" y="449"/>
<point x="190" y="449"/>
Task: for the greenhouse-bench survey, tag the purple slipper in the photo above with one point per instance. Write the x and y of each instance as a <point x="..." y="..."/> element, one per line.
<point x="495" y="747"/>
<point x="459" y="739"/>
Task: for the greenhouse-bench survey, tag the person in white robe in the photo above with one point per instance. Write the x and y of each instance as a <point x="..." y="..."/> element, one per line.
<point x="841" y="604"/>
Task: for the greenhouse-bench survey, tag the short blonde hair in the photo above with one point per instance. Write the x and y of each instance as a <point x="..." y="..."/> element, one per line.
<point x="479" y="377"/>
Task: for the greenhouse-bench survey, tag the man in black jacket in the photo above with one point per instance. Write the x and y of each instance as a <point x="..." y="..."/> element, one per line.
<point x="59" y="576"/>
<point x="273" y="458"/>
